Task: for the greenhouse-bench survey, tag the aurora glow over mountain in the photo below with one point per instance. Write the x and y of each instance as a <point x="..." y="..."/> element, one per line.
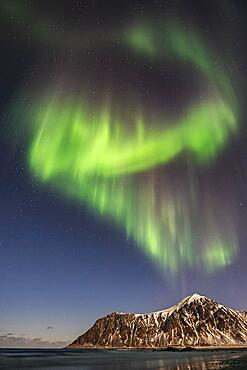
<point x="123" y="166"/>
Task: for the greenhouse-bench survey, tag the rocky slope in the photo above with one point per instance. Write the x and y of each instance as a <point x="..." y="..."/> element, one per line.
<point x="195" y="321"/>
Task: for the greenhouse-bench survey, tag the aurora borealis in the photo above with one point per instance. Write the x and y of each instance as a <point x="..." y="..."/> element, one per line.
<point x="97" y="155"/>
<point x="123" y="166"/>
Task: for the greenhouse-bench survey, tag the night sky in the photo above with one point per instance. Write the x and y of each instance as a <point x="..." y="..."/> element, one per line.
<point x="123" y="161"/>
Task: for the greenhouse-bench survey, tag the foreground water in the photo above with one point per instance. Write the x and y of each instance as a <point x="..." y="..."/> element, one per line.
<point x="121" y="359"/>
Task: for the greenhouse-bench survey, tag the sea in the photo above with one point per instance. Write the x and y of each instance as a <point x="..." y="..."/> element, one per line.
<point x="67" y="359"/>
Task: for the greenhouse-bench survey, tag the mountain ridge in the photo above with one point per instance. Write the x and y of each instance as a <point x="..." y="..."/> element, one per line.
<point x="194" y="321"/>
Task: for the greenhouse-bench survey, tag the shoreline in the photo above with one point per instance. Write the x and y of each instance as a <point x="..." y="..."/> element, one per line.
<point x="161" y="349"/>
<point x="130" y="349"/>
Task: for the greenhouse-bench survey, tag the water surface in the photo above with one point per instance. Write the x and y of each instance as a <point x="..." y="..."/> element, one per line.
<point x="42" y="359"/>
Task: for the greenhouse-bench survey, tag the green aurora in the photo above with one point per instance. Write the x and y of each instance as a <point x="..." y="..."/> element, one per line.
<point x="91" y="155"/>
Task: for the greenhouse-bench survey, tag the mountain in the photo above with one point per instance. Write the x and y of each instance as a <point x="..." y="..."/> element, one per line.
<point x="195" y="321"/>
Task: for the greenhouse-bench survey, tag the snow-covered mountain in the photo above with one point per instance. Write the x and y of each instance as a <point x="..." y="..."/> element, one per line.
<point x="195" y="321"/>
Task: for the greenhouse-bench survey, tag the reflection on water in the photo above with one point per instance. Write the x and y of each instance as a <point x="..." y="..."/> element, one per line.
<point x="114" y="359"/>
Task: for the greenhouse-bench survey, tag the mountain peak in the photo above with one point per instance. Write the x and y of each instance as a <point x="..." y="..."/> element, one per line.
<point x="195" y="297"/>
<point x="194" y="321"/>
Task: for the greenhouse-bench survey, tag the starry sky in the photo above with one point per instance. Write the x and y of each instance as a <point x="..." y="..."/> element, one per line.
<point x="123" y="161"/>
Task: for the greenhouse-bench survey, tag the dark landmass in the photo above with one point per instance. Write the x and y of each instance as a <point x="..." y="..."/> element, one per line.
<point x="195" y="322"/>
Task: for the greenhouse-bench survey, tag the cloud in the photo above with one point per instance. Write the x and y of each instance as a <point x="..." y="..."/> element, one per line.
<point x="9" y="340"/>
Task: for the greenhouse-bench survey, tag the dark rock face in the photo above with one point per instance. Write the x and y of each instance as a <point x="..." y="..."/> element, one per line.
<point x="195" y="321"/>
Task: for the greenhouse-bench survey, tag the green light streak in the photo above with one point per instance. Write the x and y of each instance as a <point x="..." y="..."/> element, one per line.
<point x="93" y="156"/>
<point x="218" y="255"/>
<point x="67" y="134"/>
